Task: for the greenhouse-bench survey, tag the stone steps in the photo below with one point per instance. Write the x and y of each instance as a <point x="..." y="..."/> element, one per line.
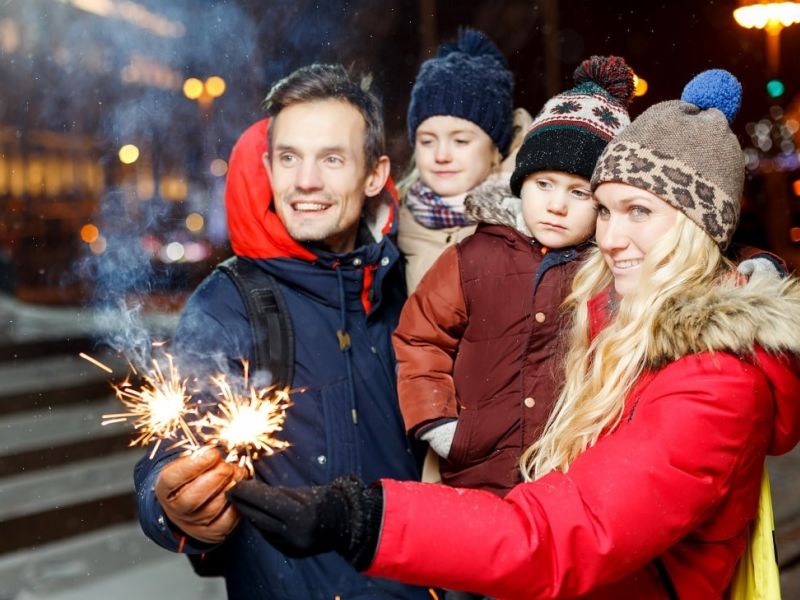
<point x="116" y="561"/>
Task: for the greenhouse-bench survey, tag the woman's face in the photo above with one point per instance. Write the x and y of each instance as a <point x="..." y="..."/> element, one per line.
<point x="629" y="223"/>
<point x="453" y="155"/>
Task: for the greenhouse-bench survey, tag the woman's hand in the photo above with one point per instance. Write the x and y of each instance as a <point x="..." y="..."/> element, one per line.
<point x="342" y="516"/>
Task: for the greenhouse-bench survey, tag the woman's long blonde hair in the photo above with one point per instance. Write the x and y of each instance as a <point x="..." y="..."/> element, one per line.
<point x="601" y="372"/>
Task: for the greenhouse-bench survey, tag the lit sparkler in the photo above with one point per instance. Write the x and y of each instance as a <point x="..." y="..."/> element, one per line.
<point x="244" y="425"/>
<point x="159" y="408"/>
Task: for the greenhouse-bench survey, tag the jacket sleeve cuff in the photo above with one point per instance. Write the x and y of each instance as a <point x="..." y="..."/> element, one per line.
<point x="428" y="425"/>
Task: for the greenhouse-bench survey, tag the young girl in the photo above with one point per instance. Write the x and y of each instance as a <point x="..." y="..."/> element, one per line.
<point x="461" y="126"/>
<point x="680" y="379"/>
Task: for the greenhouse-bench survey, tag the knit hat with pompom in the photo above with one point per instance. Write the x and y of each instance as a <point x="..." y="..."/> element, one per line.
<point x="685" y="152"/>
<point x="468" y="79"/>
<point x="574" y="127"/>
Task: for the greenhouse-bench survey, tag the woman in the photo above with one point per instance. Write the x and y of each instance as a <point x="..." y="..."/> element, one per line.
<point x="680" y="379"/>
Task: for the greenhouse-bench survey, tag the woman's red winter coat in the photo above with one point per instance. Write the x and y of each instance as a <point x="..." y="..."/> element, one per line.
<point x="668" y="494"/>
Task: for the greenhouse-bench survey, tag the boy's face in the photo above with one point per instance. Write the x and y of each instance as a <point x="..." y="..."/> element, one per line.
<point x="558" y="208"/>
<point x="453" y="155"/>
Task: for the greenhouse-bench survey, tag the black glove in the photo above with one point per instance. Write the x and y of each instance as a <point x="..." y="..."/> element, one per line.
<point x="343" y="516"/>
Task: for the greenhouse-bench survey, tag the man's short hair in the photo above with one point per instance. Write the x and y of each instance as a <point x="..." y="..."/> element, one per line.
<point x="320" y="82"/>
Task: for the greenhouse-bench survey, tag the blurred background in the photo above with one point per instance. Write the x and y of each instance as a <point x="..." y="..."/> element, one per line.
<point x="117" y="118"/>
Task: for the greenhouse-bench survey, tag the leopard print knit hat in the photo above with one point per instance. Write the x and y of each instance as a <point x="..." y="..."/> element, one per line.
<point x="685" y="152"/>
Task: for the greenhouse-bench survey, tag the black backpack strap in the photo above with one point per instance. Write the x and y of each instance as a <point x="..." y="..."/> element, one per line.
<point x="273" y="335"/>
<point x="273" y="349"/>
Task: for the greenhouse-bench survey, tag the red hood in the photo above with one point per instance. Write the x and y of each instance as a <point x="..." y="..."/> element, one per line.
<point x="255" y="230"/>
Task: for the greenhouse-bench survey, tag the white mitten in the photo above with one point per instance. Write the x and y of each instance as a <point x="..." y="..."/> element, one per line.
<point x="758" y="266"/>
<point x="440" y="437"/>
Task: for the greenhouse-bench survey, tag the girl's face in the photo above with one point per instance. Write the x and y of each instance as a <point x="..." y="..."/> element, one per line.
<point x="629" y="223"/>
<point x="453" y="155"/>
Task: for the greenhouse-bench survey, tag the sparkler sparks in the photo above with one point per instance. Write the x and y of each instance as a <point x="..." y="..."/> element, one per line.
<point x="245" y="424"/>
<point x="159" y="408"/>
<point x="95" y="362"/>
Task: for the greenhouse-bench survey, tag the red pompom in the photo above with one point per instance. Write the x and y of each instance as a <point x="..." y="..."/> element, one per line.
<point x="611" y="73"/>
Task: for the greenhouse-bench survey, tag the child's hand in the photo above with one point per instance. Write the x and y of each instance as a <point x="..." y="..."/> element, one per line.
<point x="440" y="437"/>
<point x="760" y="266"/>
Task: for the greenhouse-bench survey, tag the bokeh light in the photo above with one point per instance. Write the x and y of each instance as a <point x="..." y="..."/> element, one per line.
<point x="192" y="88"/>
<point x="174" y="251"/>
<point x="195" y="222"/>
<point x="215" y="86"/>
<point x="128" y="154"/>
<point x="640" y="86"/>
<point x="775" y="88"/>
<point x="99" y="245"/>
<point x="89" y="233"/>
<point x="218" y="167"/>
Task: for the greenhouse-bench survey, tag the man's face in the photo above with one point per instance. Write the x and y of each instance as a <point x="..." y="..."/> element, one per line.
<point x="318" y="172"/>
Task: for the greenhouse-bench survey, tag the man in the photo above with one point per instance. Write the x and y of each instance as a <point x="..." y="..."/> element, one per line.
<point x="312" y="212"/>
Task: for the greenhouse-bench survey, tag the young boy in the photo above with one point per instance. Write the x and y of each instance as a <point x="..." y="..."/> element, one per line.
<point x="478" y="342"/>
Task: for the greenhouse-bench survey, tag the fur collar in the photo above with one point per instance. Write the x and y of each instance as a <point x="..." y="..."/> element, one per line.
<point x="765" y="311"/>
<point x="492" y="202"/>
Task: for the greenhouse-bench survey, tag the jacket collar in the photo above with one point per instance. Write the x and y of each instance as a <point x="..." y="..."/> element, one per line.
<point x="493" y="203"/>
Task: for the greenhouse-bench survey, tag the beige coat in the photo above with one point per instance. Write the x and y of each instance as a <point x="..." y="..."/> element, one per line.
<point x="422" y="246"/>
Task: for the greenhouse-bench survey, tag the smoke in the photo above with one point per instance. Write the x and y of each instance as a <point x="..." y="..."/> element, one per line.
<point x="117" y="83"/>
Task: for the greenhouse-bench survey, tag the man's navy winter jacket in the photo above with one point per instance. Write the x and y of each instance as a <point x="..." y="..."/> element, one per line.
<point x="346" y="419"/>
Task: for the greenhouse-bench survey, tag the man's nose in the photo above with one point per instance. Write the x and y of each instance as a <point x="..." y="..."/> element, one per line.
<point x="308" y="177"/>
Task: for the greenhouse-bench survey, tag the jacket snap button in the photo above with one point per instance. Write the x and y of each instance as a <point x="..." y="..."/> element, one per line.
<point x="384" y="261"/>
<point x="540" y="317"/>
<point x="357" y="262"/>
<point x="321" y="459"/>
<point x="529" y="402"/>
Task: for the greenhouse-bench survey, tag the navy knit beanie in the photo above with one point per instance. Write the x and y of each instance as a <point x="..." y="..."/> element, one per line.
<point x="574" y="127"/>
<point x="469" y="79"/>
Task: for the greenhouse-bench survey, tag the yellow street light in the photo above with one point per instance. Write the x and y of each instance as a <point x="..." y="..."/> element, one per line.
<point x="128" y="154"/>
<point x="639" y="86"/>
<point x="192" y="88"/>
<point x="215" y="86"/>
<point x="771" y="17"/>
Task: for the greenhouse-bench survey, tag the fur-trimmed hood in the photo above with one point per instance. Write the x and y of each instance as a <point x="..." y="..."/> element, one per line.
<point x="492" y="202"/>
<point x="764" y="311"/>
<point x="758" y="320"/>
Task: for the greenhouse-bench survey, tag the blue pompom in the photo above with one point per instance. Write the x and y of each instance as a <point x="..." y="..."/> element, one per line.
<point x="715" y="88"/>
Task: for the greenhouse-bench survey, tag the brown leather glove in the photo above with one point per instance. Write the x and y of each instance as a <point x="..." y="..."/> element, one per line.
<point x="191" y="490"/>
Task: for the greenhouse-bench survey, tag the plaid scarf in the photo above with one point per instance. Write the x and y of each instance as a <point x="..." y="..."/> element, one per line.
<point x="432" y="211"/>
